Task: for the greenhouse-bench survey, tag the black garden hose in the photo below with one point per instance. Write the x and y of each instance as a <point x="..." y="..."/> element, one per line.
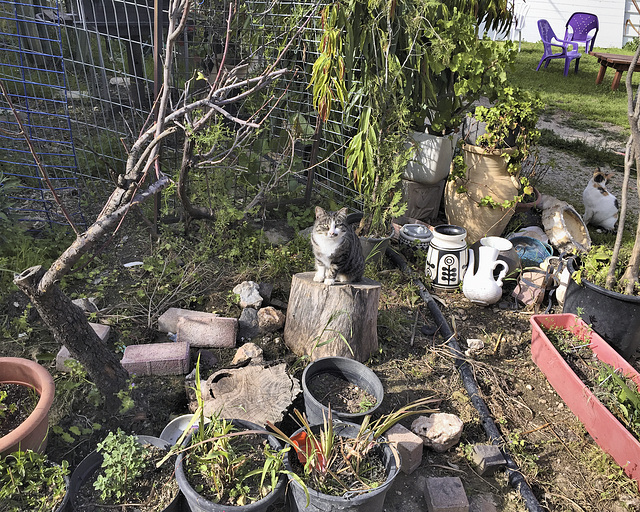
<point x="516" y="479"/>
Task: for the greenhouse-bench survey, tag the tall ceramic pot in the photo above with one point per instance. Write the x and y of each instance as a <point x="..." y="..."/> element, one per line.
<point x="31" y="434"/>
<point x="432" y="158"/>
<point x="349" y="370"/>
<point x="447" y="257"/>
<point x="371" y="501"/>
<point x="487" y="175"/>
<point x="614" y="316"/>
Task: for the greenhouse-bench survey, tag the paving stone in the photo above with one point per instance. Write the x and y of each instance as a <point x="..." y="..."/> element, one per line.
<point x="488" y="458"/>
<point x="409" y="446"/>
<point x="168" y="321"/>
<point x="445" y="494"/>
<point x="157" y="359"/>
<point x="207" y="330"/>
<point x="482" y="503"/>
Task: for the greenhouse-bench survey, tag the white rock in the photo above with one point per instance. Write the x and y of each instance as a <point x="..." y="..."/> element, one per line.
<point x="249" y="292"/>
<point x="440" y="431"/>
<point x="248" y="351"/>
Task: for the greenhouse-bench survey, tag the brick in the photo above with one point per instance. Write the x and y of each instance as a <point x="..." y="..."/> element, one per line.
<point x="157" y="359"/>
<point x="168" y="321"/>
<point x="488" y="458"/>
<point x="445" y="494"/>
<point x="63" y="355"/>
<point x="409" y="446"/>
<point x="207" y="330"/>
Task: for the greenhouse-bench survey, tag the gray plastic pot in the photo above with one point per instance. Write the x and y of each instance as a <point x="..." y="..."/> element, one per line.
<point x="350" y="370"/>
<point x="371" y="501"/>
<point x="198" y="503"/>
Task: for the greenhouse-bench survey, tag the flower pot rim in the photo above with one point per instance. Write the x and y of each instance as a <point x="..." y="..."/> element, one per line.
<point x="17" y="370"/>
<point x="479" y="150"/>
<point x="609" y="293"/>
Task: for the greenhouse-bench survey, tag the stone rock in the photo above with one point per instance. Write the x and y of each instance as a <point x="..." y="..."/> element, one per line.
<point x="440" y="431"/>
<point x="249" y="292"/>
<point x="266" y="289"/>
<point x="270" y="319"/>
<point x="248" y="327"/>
<point x="249" y="352"/>
<point x="208" y="361"/>
<point x="87" y="304"/>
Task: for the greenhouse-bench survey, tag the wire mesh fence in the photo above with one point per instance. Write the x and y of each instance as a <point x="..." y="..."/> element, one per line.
<point x="83" y="75"/>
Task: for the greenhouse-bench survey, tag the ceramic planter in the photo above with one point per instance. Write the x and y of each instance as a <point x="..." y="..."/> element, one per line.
<point x="198" y="503"/>
<point x="32" y="433"/>
<point x="432" y="159"/>
<point x="447" y="257"/>
<point x="487" y="175"/>
<point x="351" y="371"/>
<point x="92" y="462"/>
<point x="371" y="501"/>
<point x="604" y="427"/>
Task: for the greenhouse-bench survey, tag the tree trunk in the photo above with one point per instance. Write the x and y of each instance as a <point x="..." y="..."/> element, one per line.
<point x="70" y="327"/>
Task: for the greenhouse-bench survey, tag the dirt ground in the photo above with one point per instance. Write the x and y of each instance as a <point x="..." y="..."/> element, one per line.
<point x="556" y="456"/>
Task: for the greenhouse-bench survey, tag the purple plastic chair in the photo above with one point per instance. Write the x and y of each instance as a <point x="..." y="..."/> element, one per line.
<point x="550" y="41"/>
<point x="583" y="28"/>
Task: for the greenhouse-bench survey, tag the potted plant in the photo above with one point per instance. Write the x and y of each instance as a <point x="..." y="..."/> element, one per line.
<point x="623" y="380"/>
<point x="487" y="182"/>
<point x="604" y="290"/>
<point x="342" y="466"/>
<point x="126" y="469"/>
<point x="29" y="481"/>
<point x="31" y="434"/>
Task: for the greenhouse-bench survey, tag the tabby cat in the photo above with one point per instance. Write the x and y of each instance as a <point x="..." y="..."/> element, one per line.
<point x="336" y="248"/>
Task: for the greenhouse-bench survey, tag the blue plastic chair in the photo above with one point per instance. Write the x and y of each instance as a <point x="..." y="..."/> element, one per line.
<point x="551" y="41"/>
<point x="583" y="28"/>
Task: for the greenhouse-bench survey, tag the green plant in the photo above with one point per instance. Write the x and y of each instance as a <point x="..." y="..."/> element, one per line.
<point x="6" y="408"/>
<point x="333" y="464"/>
<point x="123" y="461"/>
<point x="28" y="481"/>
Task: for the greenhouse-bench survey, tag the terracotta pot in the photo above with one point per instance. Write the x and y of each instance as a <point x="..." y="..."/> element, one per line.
<point x="604" y="427"/>
<point x="32" y="433"/>
<point x="486" y="176"/>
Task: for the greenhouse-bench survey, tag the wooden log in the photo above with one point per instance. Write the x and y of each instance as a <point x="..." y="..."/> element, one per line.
<point x="336" y="320"/>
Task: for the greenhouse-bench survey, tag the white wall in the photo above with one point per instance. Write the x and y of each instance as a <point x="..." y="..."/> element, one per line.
<point x="611" y="16"/>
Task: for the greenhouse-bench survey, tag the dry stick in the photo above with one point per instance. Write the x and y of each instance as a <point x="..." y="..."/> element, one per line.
<point x="413" y="331"/>
<point x="34" y="154"/>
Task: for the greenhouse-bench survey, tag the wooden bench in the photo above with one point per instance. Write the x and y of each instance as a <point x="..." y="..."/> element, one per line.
<point x="616" y="61"/>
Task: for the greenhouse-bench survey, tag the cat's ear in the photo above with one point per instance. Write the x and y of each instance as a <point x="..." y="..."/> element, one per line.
<point x="320" y="212"/>
<point x="343" y="211"/>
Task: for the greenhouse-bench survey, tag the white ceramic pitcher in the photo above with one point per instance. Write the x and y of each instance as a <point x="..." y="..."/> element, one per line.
<point x="480" y="286"/>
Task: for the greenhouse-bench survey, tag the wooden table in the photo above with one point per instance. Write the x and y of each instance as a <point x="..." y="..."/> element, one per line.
<point x="616" y="61"/>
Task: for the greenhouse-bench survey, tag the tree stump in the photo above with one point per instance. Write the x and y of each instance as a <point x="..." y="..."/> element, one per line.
<point x="336" y="320"/>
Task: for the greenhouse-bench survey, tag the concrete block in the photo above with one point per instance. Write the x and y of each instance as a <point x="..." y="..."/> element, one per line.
<point x="157" y="359"/>
<point x="488" y="458"/>
<point x="63" y="355"/>
<point x="409" y="446"/>
<point x="445" y="494"/>
<point x="207" y="330"/>
<point x="168" y="321"/>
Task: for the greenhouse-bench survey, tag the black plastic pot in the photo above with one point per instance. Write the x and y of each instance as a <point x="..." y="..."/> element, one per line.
<point x="371" y="501"/>
<point x="614" y="316"/>
<point x="199" y="504"/>
<point x="92" y="462"/>
<point x="350" y="370"/>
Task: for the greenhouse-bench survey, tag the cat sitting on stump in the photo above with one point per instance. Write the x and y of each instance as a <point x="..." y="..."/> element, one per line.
<point x="336" y="248"/>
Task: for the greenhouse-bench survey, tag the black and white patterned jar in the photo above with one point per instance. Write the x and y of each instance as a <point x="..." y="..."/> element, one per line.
<point x="447" y="257"/>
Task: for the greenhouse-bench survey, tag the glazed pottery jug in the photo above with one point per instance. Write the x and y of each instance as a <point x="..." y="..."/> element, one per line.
<point x="447" y="257"/>
<point x="480" y="286"/>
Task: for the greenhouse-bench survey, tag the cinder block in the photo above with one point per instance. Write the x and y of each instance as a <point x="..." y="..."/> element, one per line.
<point x="63" y="355"/>
<point x="409" y="446"/>
<point x="207" y="330"/>
<point x="488" y="458"/>
<point x="157" y="359"/>
<point x="445" y="494"/>
<point x="168" y="321"/>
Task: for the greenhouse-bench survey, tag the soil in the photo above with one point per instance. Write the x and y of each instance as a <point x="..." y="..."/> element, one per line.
<point x="342" y="395"/>
<point x="16" y="406"/>
<point x="563" y="466"/>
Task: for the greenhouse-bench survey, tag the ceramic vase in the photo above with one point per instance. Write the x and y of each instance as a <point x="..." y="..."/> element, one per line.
<point x="447" y="257"/>
<point x="480" y="286"/>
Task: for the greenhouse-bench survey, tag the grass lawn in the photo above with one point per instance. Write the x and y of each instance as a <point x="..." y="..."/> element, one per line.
<point x="575" y="93"/>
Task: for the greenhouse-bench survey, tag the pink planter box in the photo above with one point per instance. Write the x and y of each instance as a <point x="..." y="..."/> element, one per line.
<point x="603" y="426"/>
